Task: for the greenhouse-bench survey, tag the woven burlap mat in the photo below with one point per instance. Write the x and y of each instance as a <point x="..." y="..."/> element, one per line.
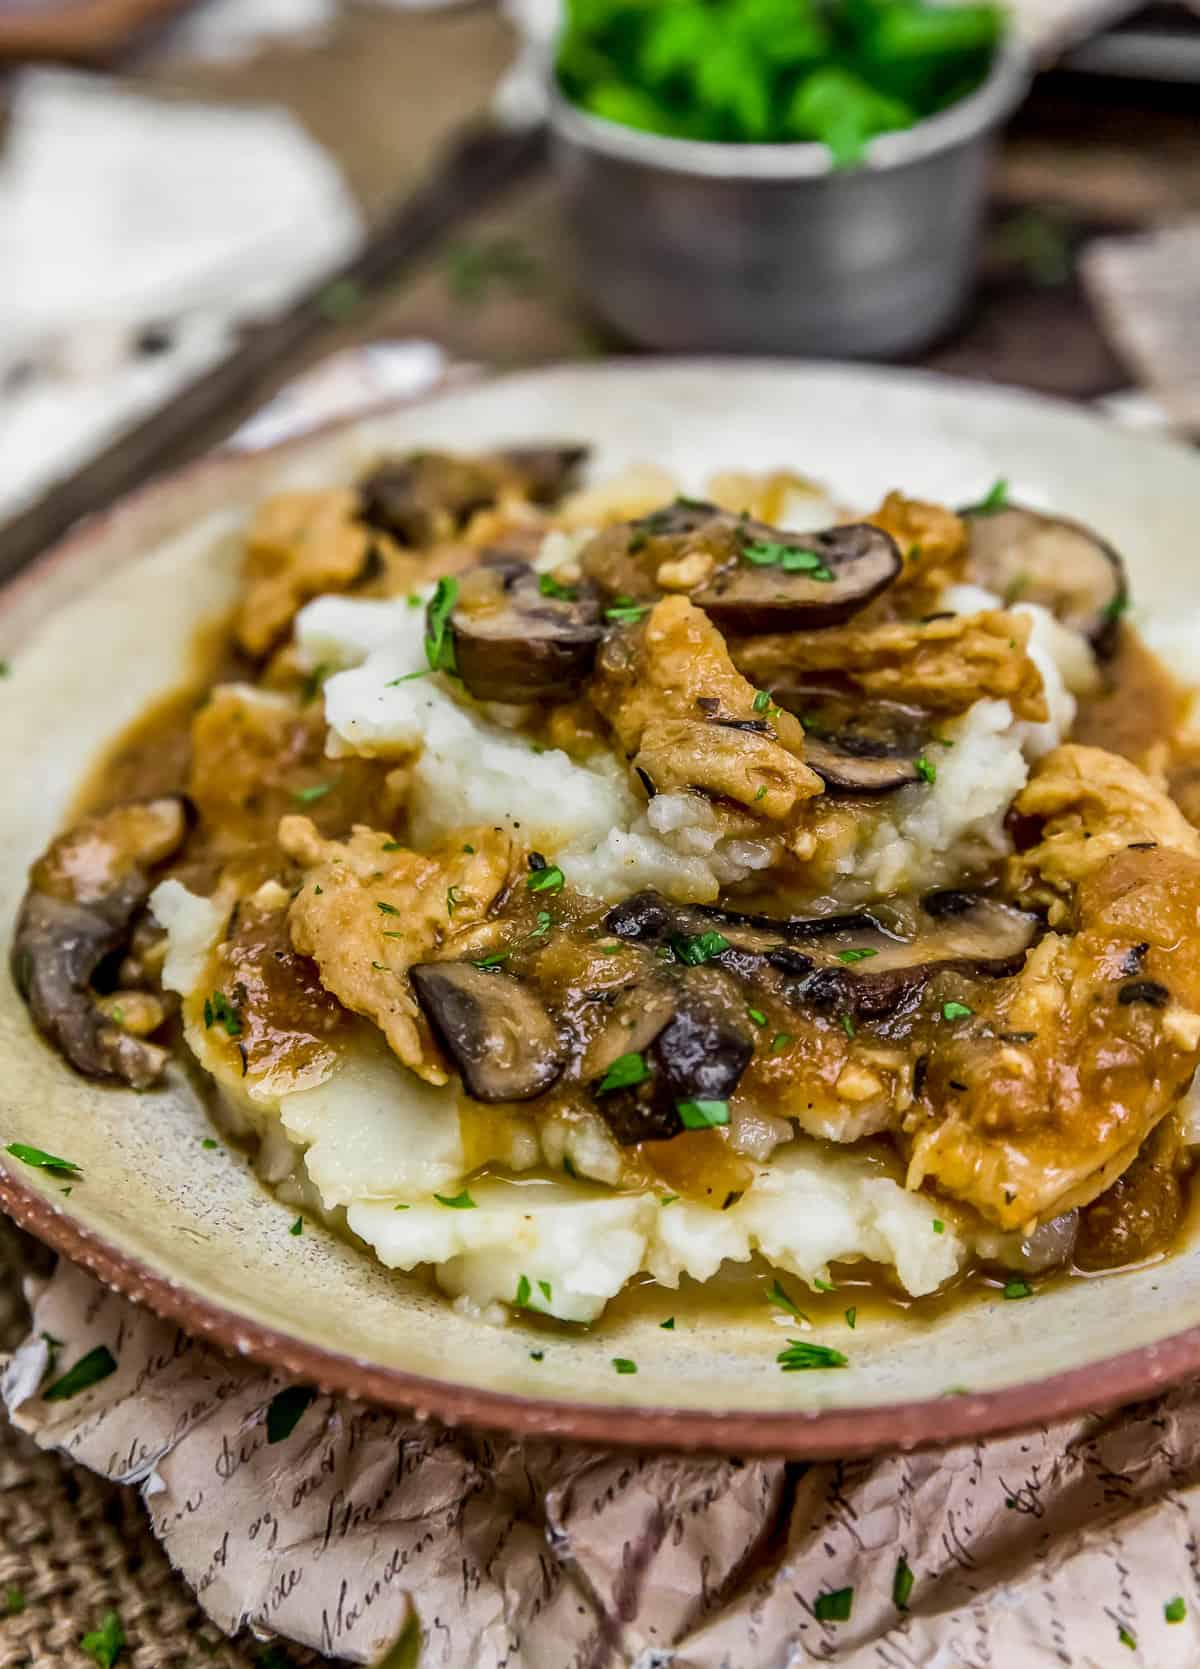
<point x="73" y="1547"/>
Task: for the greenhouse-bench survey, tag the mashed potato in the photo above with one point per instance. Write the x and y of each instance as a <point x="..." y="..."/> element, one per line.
<point x="380" y="1145"/>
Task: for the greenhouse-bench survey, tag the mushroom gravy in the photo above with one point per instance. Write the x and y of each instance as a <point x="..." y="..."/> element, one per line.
<point x="1015" y="1044"/>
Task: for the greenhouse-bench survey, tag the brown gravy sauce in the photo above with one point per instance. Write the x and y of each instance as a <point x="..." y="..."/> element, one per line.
<point x="1136" y="712"/>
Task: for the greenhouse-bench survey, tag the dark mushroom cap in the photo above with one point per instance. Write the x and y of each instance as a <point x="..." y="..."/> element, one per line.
<point x="60" y="941"/>
<point x="494" y="1028"/>
<point x="814" y="580"/>
<point x="512" y="642"/>
<point x="696" y="1045"/>
<point x="1026" y="556"/>
<point x="545" y="473"/>
<point x="847" y="963"/>
<point x="762" y="579"/>
<point x="857" y="745"/>
<point x="424" y="496"/>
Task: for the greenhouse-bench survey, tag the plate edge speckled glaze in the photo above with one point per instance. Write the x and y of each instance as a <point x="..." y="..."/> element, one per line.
<point x="818" y="1433"/>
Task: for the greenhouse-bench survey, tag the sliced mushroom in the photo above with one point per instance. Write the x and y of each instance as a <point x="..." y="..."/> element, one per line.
<point x="747" y="575"/>
<point x="960" y="933"/>
<point x="813" y="579"/>
<point x="427" y="496"/>
<point x="698" y="1052"/>
<point x="494" y="1028"/>
<point x="1026" y="556"/>
<point x="545" y="473"/>
<point x="83" y="896"/>
<point x="857" y="746"/>
<point x="513" y="642"/>
<point x="856" y="964"/>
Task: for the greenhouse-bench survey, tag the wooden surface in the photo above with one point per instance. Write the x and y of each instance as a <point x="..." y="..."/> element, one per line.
<point x="389" y="91"/>
<point x="1083" y="158"/>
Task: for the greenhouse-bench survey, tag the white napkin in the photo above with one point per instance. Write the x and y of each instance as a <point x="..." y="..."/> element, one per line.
<point x="119" y="212"/>
<point x="228" y="31"/>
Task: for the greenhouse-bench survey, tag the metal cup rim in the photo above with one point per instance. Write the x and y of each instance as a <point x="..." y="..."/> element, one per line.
<point x="991" y="103"/>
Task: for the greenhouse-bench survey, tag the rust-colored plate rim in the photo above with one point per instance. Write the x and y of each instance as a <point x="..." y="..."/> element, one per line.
<point x="816" y="1434"/>
<point x="821" y="1434"/>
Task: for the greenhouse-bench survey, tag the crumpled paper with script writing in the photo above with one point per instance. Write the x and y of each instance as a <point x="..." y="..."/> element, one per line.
<point x="1061" y="1546"/>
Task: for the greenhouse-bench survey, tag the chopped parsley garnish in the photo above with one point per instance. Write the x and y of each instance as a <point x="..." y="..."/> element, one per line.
<point x="105" y="1644"/>
<point x="902" y="1584"/>
<point x="801" y="1356"/>
<point x="550" y="879"/>
<point x="938" y="1226"/>
<point x="537" y="1355"/>
<point x="545" y="921"/>
<point x="401" y="1205"/>
<point x="834" y="1607"/>
<point x="494" y="961"/>
<point x="1126" y="1637"/>
<point x="219" y="1011"/>
<point x="625" y="612"/>
<point x="414" y="599"/>
<point x="669" y="1326"/>
<point x="454" y="897"/>
<point x="700" y="949"/>
<point x="406" y="678"/>
<point x="439" y="641"/>
<point x="996" y="498"/>
<point x="386" y="909"/>
<point x="784" y="1301"/>
<point x="43" y="1161"/>
<point x="762" y="700"/>
<point x="286" y="1409"/>
<point x="702" y="1115"/>
<point x="956" y="1011"/>
<point x="1017" y="1288"/>
<point x="318" y="791"/>
<point x="624" y="1073"/>
<point x="88" y="1371"/>
<point x="610" y="950"/>
<point x="315" y="680"/>
<point x="525" y="1292"/>
<point x="668" y="1199"/>
<point x="393" y="846"/>
<point x="297" y="1227"/>
<point x="925" y="769"/>
<point x="210" y="1142"/>
<point x="1175" y="1610"/>
<point x="468" y="848"/>
<point x="757" y="1015"/>
<point x="851" y="1317"/>
<point x="550" y="587"/>
<point x="848" y="1026"/>
<point x="1016" y="587"/>
<point x="760" y="792"/>
<point x="623" y="1365"/>
<point x="780" y="1042"/>
<point x="823" y="1286"/>
<point x="1117" y="607"/>
<point x="14" y="1601"/>
<point x="568" y="1165"/>
<point x="768" y="553"/>
<point x="456" y="1202"/>
<point x="855" y="955"/>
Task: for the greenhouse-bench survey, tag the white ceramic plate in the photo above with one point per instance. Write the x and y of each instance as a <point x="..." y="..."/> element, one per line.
<point x="103" y="624"/>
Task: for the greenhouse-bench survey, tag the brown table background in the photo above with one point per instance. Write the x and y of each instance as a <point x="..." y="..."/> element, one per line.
<point x="391" y="88"/>
<point x="383" y="96"/>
